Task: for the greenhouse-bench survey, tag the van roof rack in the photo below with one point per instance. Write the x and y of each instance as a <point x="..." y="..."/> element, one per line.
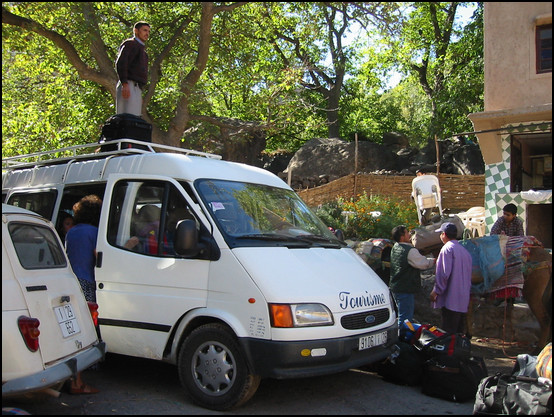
<point x="92" y="151"/>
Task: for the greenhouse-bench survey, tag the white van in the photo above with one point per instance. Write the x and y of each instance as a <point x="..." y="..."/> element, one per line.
<point x="48" y="335"/>
<point x="217" y="267"/>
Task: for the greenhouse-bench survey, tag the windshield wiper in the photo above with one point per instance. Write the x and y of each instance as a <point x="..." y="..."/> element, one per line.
<point x="287" y="240"/>
<point x="309" y="239"/>
<point x="321" y="239"/>
<point x="265" y="236"/>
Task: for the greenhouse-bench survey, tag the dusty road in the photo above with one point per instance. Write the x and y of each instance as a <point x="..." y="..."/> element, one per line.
<point x="140" y="386"/>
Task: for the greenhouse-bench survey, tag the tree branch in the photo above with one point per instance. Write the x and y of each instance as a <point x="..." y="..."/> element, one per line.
<point x="84" y="71"/>
<point x="178" y="124"/>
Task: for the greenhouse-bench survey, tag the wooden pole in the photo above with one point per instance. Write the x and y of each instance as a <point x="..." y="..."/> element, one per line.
<point x="438" y="164"/>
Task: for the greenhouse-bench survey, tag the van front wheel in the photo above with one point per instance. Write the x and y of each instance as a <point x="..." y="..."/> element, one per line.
<point x="213" y="370"/>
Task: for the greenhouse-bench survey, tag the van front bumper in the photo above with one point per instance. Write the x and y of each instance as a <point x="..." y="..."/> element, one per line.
<point x="56" y="373"/>
<point x="307" y="358"/>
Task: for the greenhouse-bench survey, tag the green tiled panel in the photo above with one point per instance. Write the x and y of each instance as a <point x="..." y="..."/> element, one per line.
<point x="497" y="183"/>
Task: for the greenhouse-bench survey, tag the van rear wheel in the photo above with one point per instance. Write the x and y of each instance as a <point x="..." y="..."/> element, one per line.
<point x="213" y="369"/>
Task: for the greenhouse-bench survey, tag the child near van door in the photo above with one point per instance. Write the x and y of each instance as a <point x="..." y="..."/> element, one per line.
<point x="66" y="223"/>
<point x="80" y="245"/>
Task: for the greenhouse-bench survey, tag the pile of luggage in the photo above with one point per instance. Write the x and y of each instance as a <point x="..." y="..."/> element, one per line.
<point x="440" y="362"/>
<point x="443" y="365"/>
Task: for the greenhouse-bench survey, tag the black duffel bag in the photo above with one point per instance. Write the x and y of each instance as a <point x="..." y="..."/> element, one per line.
<point x="125" y="126"/>
<point x="455" y="345"/>
<point x="452" y="378"/>
<point x="404" y="366"/>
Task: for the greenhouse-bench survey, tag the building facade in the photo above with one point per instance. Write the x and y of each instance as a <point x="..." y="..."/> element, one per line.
<point x="515" y="128"/>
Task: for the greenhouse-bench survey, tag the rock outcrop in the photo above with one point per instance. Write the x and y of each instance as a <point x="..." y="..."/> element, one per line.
<point x="322" y="160"/>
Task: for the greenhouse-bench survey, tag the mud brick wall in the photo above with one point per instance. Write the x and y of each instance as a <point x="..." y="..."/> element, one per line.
<point x="459" y="192"/>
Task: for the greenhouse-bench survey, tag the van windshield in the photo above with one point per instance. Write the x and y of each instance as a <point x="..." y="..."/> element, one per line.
<point x="254" y="214"/>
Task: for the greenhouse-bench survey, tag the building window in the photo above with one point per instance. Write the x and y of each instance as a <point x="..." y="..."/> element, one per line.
<point x="544" y="48"/>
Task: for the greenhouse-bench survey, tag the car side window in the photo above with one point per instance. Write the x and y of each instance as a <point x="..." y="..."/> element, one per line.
<point x="37" y="247"/>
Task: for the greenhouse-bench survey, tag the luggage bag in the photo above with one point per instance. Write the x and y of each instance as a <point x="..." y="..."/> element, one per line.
<point x="454" y="345"/>
<point x="403" y="367"/>
<point x="513" y="395"/>
<point x="451" y="378"/>
<point x="125" y="126"/>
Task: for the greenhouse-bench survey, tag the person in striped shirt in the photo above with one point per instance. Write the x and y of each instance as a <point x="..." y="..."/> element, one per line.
<point x="509" y="224"/>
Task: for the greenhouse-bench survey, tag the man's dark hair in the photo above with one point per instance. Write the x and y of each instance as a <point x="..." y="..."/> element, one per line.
<point x="510" y="208"/>
<point x="138" y="25"/>
<point x="398" y="232"/>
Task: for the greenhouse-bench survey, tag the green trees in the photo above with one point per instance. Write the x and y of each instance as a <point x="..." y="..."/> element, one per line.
<point x="85" y="36"/>
<point x="442" y="65"/>
<point x="234" y="78"/>
<point x="445" y="61"/>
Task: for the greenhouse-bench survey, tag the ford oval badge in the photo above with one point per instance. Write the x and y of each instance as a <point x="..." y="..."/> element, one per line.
<point x="370" y="319"/>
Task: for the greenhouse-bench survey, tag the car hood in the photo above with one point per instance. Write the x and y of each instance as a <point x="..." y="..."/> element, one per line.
<point x="338" y="278"/>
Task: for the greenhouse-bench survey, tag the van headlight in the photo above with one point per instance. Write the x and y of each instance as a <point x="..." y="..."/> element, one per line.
<point x="299" y="315"/>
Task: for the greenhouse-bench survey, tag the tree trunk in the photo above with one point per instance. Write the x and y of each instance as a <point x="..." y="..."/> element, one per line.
<point x="333" y="126"/>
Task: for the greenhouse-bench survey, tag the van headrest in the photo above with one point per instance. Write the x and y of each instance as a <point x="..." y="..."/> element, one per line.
<point x="149" y="213"/>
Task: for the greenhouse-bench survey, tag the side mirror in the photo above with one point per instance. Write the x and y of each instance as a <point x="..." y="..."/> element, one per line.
<point x="186" y="238"/>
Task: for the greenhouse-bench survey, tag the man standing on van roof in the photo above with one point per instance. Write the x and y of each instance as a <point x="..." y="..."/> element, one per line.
<point x="132" y="70"/>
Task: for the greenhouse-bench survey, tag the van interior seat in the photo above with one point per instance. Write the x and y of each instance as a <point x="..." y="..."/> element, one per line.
<point x="149" y="213"/>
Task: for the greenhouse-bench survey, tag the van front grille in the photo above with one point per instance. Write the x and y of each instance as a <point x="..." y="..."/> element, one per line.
<point x="365" y="320"/>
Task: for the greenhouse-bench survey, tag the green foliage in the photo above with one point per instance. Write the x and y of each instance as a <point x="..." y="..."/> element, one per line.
<point x="455" y="68"/>
<point x="368" y="216"/>
<point x="444" y="59"/>
<point x="254" y="72"/>
<point x="464" y="90"/>
<point x="39" y="110"/>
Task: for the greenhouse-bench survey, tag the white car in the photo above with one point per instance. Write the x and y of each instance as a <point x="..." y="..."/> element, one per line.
<point x="48" y="332"/>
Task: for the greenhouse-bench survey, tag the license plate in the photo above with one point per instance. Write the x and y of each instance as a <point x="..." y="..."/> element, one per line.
<point x="372" y="340"/>
<point x="67" y="320"/>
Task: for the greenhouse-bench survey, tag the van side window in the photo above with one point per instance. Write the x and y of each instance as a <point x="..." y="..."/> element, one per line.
<point x="37" y="247"/>
<point x="144" y="215"/>
<point x="73" y="193"/>
<point x="40" y="202"/>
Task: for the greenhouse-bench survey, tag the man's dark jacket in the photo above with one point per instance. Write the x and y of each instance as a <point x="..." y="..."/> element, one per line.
<point x="132" y="62"/>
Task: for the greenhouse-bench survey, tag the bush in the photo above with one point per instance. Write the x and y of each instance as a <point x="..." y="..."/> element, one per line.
<point x="368" y="217"/>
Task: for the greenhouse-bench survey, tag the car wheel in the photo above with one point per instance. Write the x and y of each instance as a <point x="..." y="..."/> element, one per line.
<point x="213" y="369"/>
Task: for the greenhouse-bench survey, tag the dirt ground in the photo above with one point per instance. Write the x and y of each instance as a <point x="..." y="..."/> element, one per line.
<point x="499" y="356"/>
<point x="488" y="342"/>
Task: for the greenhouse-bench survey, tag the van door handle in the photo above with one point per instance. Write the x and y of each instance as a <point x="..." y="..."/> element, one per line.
<point x="99" y="256"/>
